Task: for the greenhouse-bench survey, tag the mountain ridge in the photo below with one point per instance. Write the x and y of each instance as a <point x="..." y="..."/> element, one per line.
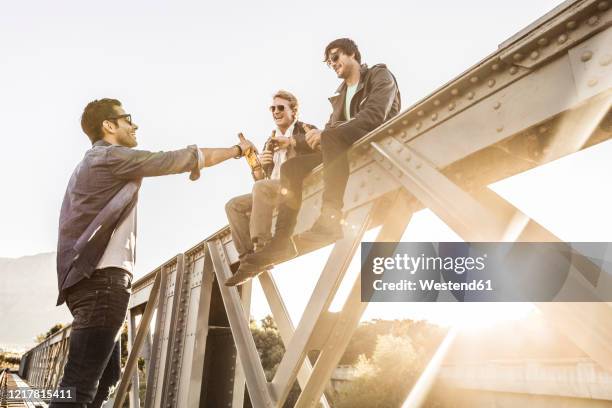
<point x="27" y="299"/>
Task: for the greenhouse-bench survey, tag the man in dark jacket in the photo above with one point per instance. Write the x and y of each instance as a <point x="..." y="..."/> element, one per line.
<point x="250" y="215"/>
<point x="366" y="98"/>
<point x="97" y="241"/>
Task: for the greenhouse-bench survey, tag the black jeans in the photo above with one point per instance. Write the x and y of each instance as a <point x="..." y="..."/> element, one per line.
<point x="335" y="144"/>
<point x="93" y="368"/>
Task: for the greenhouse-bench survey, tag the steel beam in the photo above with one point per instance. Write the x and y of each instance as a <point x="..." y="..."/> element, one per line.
<point x="285" y="326"/>
<point x="143" y="328"/>
<point x="322" y="296"/>
<point x="245" y="345"/>
<point x="392" y="230"/>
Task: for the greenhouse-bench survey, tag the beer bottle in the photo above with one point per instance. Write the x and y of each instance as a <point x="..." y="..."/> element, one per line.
<point x="253" y="161"/>
<point x="272" y="143"/>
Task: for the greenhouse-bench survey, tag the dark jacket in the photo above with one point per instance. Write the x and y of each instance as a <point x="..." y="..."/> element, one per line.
<point x="301" y="147"/>
<point x="101" y="192"/>
<point x="376" y="100"/>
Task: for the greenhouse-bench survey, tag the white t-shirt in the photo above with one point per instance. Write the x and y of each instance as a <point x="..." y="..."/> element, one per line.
<point x="350" y="92"/>
<point x="121" y="249"/>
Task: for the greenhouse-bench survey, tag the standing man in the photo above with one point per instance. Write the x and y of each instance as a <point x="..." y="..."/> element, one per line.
<point x="366" y="98"/>
<point x="250" y="215"/>
<point x="97" y="241"/>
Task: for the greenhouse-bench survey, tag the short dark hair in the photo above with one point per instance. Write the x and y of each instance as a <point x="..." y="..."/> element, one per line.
<point x="346" y="45"/>
<point x="94" y="114"/>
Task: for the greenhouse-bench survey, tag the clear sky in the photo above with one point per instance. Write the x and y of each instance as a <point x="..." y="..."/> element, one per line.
<point x="200" y="72"/>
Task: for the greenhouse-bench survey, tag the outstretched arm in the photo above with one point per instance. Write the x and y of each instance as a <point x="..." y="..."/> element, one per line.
<point x="216" y="155"/>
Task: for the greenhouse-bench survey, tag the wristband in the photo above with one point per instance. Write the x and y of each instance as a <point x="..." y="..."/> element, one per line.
<point x="241" y="152"/>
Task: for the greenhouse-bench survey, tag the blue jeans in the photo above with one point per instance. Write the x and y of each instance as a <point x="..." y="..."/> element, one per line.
<point x="93" y="368"/>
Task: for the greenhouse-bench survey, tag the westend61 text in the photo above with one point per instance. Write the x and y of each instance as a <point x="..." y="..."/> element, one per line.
<point x="406" y="285"/>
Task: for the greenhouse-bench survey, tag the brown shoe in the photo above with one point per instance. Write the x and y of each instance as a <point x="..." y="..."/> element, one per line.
<point x="326" y="229"/>
<point x="246" y="271"/>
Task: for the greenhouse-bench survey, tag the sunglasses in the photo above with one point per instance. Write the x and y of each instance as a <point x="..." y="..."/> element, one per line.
<point x="127" y="117"/>
<point x="274" y="108"/>
<point x="333" y="58"/>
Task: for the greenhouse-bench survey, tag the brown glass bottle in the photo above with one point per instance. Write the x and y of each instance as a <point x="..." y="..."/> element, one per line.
<point x="253" y="161"/>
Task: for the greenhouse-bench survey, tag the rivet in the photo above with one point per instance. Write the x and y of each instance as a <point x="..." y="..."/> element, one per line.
<point x="404" y="122"/>
<point x="499" y="129"/>
<point x="491" y="83"/>
<point x="513" y="70"/>
<point x="602" y="5"/>
<point x="534" y="55"/>
<point x="390" y="131"/>
<point x="418" y="125"/>
<point x="470" y="95"/>
<point x="571" y="25"/>
<point x="593" y="20"/>
<point x="542" y="129"/>
<point x="592" y="82"/>
<point x="542" y="42"/>
<point x="474" y="79"/>
<point x="497" y="105"/>
<point x="518" y="56"/>
<point x="451" y="106"/>
<point x="495" y="67"/>
<point x="421" y="113"/>
<point x="605" y="60"/>
<point x="562" y="38"/>
<point x="436" y="102"/>
<point x="587" y="55"/>
<point x="434" y="116"/>
<point x="454" y="92"/>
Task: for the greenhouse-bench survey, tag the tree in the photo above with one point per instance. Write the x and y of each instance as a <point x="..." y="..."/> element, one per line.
<point x="271" y="350"/>
<point x="384" y="379"/>
<point x="44" y="336"/>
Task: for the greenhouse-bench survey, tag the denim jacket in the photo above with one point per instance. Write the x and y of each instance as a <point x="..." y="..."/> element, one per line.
<point x="101" y="192"/>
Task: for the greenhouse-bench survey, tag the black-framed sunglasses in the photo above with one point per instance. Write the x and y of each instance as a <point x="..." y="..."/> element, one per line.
<point x="127" y="117"/>
<point x="274" y="108"/>
<point x="333" y="58"/>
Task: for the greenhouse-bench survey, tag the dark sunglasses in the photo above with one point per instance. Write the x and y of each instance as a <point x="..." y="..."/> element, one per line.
<point x="333" y="58"/>
<point x="274" y="108"/>
<point x="127" y="117"/>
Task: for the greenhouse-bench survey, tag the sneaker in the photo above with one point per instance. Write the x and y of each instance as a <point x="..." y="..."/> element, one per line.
<point x="280" y="249"/>
<point x="327" y="228"/>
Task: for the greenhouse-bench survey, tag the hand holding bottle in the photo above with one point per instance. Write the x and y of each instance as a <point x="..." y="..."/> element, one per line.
<point x="246" y="145"/>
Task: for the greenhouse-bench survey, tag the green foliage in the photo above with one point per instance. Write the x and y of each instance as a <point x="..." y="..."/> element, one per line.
<point x="44" y="336"/>
<point x="271" y="350"/>
<point x="384" y="379"/>
<point x="424" y="336"/>
<point x="9" y="360"/>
